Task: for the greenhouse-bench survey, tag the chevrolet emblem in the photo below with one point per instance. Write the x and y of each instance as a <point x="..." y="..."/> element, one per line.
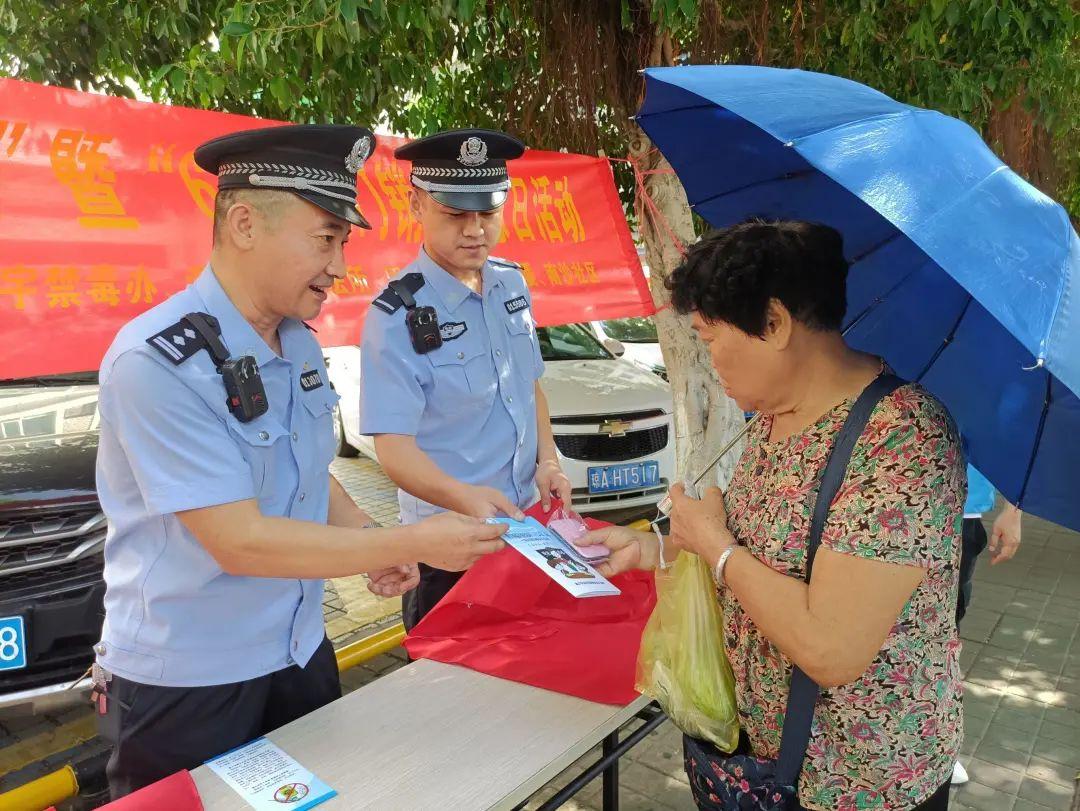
<point x="614" y="428"/>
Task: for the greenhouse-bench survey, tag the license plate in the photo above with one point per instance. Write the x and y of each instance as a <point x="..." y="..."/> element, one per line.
<point x="631" y="476"/>
<point x="12" y="643"/>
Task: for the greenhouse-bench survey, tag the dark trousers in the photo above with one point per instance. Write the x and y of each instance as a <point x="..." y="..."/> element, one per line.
<point x="156" y="731"/>
<point x="972" y="545"/>
<point x="434" y="584"/>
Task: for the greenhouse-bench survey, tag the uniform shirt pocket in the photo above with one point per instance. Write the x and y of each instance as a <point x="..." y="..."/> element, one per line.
<point x="320" y="406"/>
<point x="464" y="371"/>
<point x="522" y="339"/>
<point x="263" y="443"/>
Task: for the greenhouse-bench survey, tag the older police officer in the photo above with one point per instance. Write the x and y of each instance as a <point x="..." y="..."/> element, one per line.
<point x="216" y="437"/>
<point x="451" y="359"/>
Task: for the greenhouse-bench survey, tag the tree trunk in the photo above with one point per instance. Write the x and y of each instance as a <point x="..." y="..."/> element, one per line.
<point x="1024" y="144"/>
<point x="705" y="417"/>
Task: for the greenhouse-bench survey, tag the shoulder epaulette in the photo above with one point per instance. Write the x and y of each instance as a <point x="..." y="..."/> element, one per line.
<point x="390" y="302"/>
<point x="177" y="342"/>
<point x="498" y="261"/>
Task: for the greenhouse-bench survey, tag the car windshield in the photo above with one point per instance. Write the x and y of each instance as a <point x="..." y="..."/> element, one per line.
<point x="570" y="342"/>
<point x="631" y="330"/>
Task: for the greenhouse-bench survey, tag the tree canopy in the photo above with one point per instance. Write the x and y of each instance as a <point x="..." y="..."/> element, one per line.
<point x="561" y="74"/>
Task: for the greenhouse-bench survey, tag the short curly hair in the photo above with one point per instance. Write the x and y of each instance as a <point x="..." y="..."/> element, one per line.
<point x="731" y="274"/>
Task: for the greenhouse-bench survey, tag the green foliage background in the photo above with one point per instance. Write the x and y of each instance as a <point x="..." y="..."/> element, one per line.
<point x="561" y="73"/>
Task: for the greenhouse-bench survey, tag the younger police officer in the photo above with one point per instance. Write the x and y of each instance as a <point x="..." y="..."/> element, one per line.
<point x="216" y="436"/>
<point x="451" y="359"/>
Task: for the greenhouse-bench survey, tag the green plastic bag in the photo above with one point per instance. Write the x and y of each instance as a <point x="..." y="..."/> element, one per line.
<point x="682" y="663"/>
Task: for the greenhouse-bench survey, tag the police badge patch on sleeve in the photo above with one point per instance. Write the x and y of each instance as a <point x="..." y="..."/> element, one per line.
<point x="452" y="330"/>
<point x="518" y="304"/>
<point x="309" y="381"/>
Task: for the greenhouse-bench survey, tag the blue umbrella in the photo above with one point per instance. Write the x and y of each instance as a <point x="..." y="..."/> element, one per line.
<point x="964" y="277"/>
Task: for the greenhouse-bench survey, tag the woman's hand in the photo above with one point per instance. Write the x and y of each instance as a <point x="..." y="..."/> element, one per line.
<point x="699" y="526"/>
<point x="1005" y="536"/>
<point x="630" y="549"/>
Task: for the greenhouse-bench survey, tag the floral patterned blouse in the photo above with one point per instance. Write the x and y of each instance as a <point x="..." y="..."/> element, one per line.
<point x="889" y="739"/>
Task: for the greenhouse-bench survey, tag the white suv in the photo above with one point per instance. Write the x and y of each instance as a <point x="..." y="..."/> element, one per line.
<point x="611" y="419"/>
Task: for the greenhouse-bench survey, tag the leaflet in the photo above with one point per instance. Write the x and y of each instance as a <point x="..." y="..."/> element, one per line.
<point x="556" y="558"/>
<point x="267" y="778"/>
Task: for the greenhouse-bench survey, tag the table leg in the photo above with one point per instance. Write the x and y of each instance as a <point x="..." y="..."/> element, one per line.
<point x="611" y="773"/>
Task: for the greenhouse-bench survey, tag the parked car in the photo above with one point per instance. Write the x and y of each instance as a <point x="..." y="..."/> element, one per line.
<point x="611" y="419"/>
<point x="637" y="338"/>
<point x="52" y="535"/>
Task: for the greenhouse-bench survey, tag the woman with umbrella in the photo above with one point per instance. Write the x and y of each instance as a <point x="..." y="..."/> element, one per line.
<point x="874" y="627"/>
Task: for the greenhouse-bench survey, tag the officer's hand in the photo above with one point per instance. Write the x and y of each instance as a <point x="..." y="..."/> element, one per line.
<point x="455" y="542"/>
<point x="393" y="581"/>
<point x="486" y="502"/>
<point x="550" y="480"/>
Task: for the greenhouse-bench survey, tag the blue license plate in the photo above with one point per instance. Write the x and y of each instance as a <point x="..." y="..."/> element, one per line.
<point x="631" y="476"/>
<point x="12" y="643"/>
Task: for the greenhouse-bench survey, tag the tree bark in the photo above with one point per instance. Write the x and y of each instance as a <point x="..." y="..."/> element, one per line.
<point x="704" y="416"/>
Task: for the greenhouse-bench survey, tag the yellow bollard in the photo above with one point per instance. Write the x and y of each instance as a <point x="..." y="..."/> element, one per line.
<point x="39" y="794"/>
<point x="369" y="647"/>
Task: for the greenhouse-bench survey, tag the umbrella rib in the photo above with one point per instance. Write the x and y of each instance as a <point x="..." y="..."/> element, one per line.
<point x="948" y="340"/>
<point x="897" y="233"/>
<point x="910" y="111"/>
<point x="1038" y="441"/>
<point x="787" y="176"/>
<point x="708" y="106"/>
<point x="872" y="305"/>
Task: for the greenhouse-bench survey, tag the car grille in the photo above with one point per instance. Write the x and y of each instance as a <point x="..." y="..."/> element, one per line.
<point x="51" y="564"/>
<point x="604" y="448"/>
<point x="43" y="583"/>
<point x="50" y="541"/>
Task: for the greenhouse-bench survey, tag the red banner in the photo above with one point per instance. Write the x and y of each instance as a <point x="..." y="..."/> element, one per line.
<point x="103" y="214"/>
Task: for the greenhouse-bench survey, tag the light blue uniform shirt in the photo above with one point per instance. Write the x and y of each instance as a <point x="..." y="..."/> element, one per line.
<point x="470" y="403"/>
<point x="168" y="443"/>
<point x="980" y="497"/>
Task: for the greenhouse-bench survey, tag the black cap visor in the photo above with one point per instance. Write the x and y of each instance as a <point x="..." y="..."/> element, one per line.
<point x="470" y="200"/>
<point x="339" y="208"/>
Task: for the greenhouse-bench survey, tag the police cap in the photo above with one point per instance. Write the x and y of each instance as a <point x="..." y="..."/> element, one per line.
<point x="318" y="162"/>
<point x="463" y="169"/>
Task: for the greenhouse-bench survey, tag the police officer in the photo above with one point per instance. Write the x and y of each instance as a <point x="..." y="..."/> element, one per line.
<point x="451" y="359"/>
<point x="216" y="436"/>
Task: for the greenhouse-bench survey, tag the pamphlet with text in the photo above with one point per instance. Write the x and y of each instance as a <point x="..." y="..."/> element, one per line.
<point x="558" y="559"/>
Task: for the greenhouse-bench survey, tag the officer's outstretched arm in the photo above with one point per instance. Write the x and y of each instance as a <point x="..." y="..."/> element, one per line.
<point x="414" y="472"/>
<point x="247" y="543"/>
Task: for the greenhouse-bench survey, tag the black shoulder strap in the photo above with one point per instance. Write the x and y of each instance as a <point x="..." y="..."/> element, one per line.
<point x="193" y="332"/>
<point x="391" y="299"/>
<point x="803" y="694"/>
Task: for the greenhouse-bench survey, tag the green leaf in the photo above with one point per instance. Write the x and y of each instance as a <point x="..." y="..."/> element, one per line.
<point x="466" y="9"/>
<point x="952" y="13"/>
<point x="177" y="78"/>
<point x="319" y="41"/>
<point x="159" y="74"/>
<point x="280" y="90"/>
<point x="237" y="29"/>
<point x="937" y="8"/>
<point x="347" y="9"/>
